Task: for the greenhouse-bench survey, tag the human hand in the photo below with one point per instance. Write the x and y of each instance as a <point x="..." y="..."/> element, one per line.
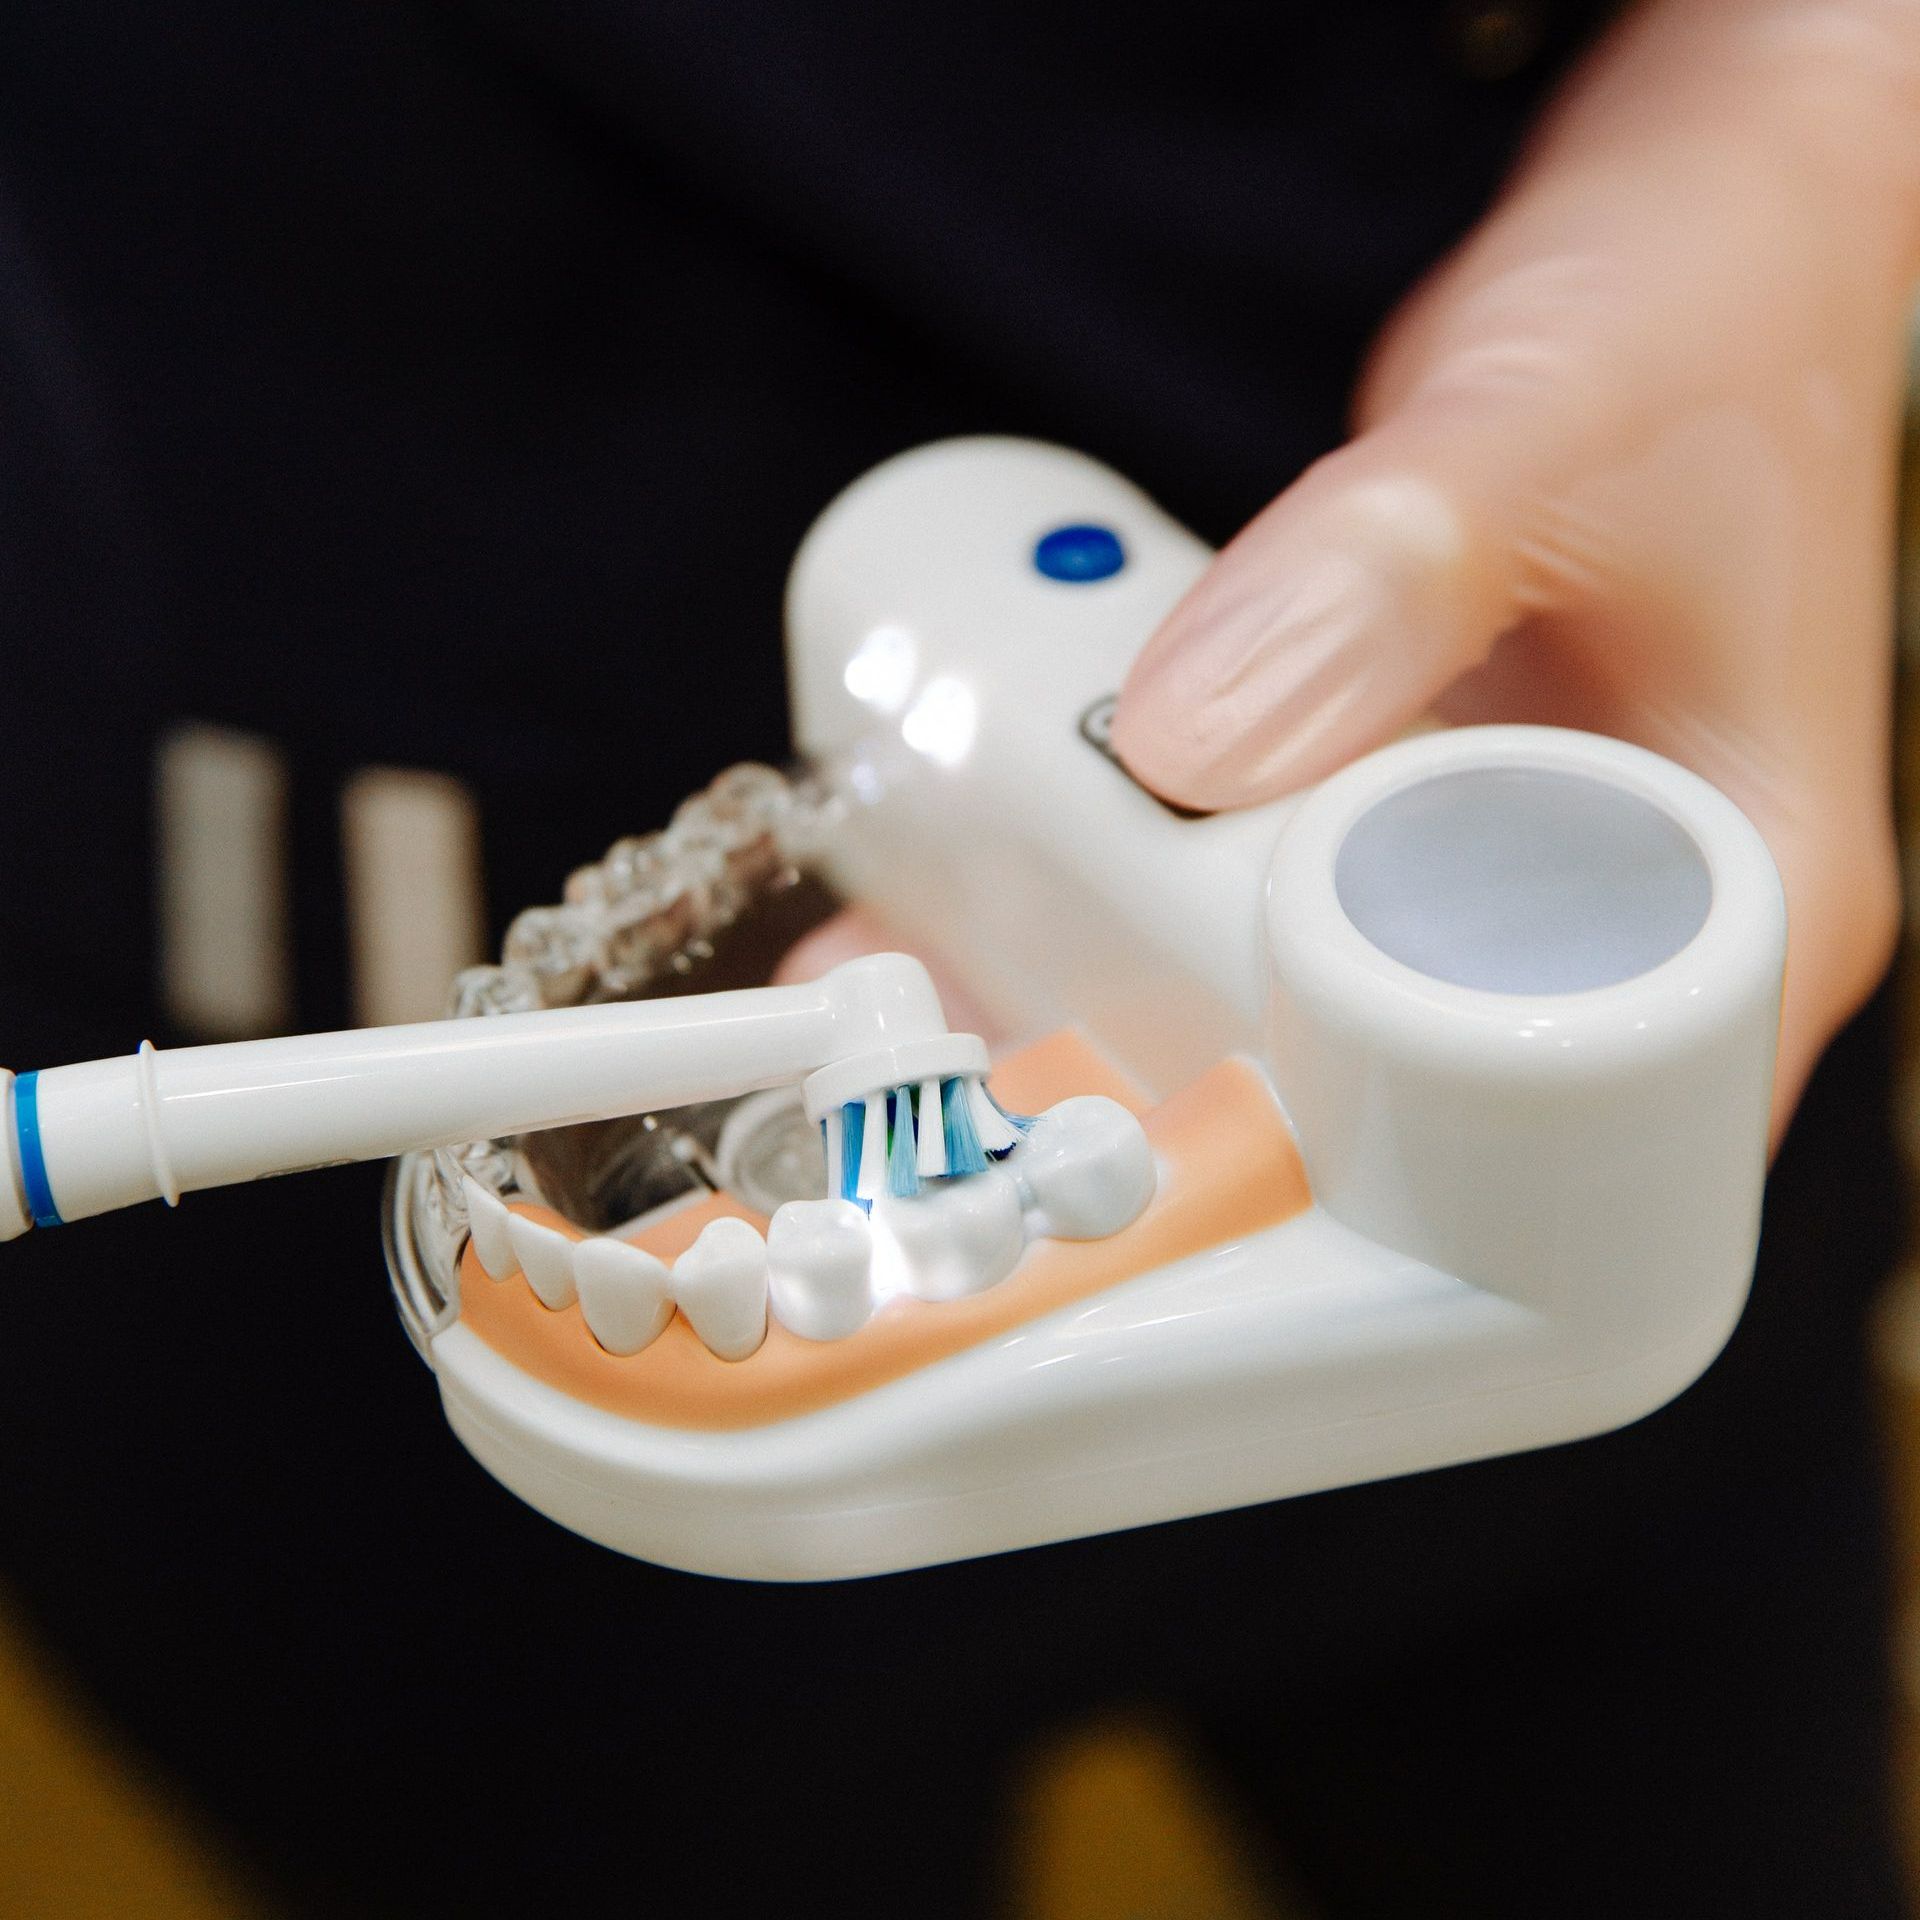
<point x="1626" y="462"/>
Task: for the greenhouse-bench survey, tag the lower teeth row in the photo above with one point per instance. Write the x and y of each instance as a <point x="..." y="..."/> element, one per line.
<point x="1084" y="1171"/>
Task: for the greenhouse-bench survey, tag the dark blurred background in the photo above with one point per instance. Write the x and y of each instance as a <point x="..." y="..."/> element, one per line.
<point x="407" y="414"/>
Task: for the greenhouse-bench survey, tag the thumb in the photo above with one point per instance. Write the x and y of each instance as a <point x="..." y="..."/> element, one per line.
<point x="1344" y="609"/>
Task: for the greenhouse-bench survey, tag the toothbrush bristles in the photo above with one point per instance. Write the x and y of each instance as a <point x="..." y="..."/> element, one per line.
<point x="903" y="1172"/>
<point x="898" y="1140"/>
<point x="964" y="1151"/>
<point x="996" y="1133"/>
<point x="851" y="1118"/>
<point x="873" y="1148"/>
<point x="833" y="1135"/>
<point x="930" y="1141"/>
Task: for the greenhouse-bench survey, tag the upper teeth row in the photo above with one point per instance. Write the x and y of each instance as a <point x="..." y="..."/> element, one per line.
<point x="1084" y="1171"/>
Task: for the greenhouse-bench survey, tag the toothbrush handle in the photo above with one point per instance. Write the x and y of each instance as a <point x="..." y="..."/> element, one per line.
<point x="109" y="1133"/>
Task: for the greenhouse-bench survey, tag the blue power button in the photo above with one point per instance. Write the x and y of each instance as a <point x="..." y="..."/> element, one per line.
<point x="1080" y="554"/>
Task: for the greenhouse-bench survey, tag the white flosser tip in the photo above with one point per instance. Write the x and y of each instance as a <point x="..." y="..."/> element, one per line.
<point x="820" y="1268"/>
<point x="957" y="1237"/>
<point x="721" y="1284"/>
<point x="546" y="1258"/>
<point x="625" y="1293"/>
<point x="487" y="1218"/>
<point x="1086" y="1168"/>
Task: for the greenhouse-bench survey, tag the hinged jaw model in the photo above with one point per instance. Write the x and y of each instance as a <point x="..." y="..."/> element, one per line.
<point x="1419" y="1119"/>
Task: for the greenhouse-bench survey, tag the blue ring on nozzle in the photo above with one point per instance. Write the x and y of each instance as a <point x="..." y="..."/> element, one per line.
<point x="33" y="1159"/>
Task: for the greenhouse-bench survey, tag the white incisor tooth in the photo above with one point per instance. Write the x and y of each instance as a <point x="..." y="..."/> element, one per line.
<point x="721" y="1285"/>
<point x="1086" y="1168"/>
<point x="820" y="1268"/>
<point x="626" y="1295"/>
<point x="545" y="1257"/>
<point x="487" y="1218"/>
<point x="957" y="1237"/>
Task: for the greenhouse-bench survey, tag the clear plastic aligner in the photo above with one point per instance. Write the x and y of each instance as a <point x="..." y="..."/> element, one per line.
<point x="643" y="918"/>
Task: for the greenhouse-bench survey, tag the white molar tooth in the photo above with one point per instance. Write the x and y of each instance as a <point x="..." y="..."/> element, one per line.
<point x="721" y="1285"/>
<point x="1087" y="1168"/>
<point x="820" y="1268"/>
<point x="626" y="1295"/>
<point x="957" y="1237"/>
<point x="546" y="1258"/>
<point x="487" y="1219"/>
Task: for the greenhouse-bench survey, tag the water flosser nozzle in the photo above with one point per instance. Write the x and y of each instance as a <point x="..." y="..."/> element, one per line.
<point x="153" y="1125"/>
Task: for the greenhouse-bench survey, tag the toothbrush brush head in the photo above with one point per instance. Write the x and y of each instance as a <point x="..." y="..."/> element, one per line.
<point x="930" y="1118"/>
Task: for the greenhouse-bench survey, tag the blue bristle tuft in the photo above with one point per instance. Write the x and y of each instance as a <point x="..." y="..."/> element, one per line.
<point x="964" y="1151"/>
<point x="903" y="1175"/>
<point x="852" y="1128"/>
<point x="892" y="1160"/>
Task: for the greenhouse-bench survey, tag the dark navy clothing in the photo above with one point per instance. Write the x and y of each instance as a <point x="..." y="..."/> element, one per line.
<point x="448" y="386"/>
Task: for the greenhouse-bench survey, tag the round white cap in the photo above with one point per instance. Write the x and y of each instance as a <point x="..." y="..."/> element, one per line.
<point x="941" y="1057"/>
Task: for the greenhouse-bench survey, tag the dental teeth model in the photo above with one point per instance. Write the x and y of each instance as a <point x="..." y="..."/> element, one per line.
<point x="820" y="1268"/>
<point x="720" y="1283"/>
<point x="1081" y="1171"/>
<point x="626" y="1294"/>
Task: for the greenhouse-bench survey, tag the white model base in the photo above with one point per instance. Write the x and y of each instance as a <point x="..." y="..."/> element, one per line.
<point x="1156" y="1400"/>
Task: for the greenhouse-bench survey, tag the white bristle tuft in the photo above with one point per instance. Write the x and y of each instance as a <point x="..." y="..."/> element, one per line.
<point x="834" y="1127"/>
<point x="931" y="1141"/>
<point x="997" y="1133"/>
<point x="873" y="1149"/>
